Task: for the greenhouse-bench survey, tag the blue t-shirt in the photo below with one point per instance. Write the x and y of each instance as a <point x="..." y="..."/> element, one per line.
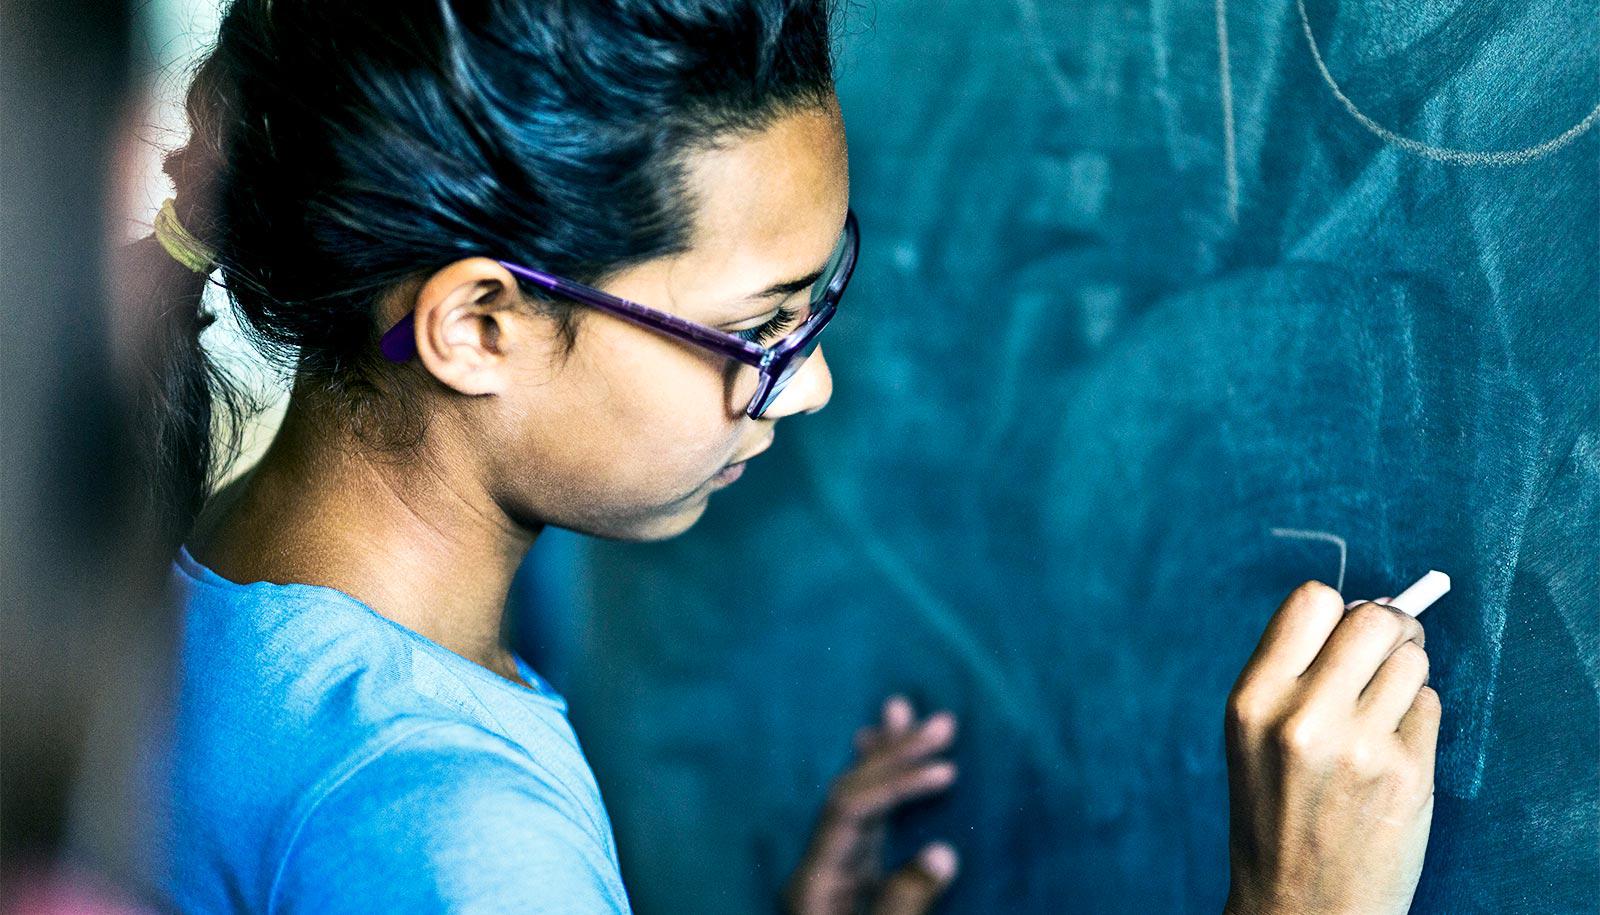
<point x="322" y="758"/>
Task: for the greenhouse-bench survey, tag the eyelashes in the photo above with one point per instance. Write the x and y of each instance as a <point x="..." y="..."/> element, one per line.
<point x="771" y="330"/>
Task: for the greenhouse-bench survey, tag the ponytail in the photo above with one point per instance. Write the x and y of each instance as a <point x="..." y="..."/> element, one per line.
<point x="180" y="390"/>
<point x="191" y="411"/>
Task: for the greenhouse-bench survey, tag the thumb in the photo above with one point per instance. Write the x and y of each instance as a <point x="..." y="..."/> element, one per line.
<point x="914" y="888"/>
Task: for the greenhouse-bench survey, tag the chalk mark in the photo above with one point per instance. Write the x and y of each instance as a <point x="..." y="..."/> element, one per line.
<point x="1230" y="149"/>
<point x="1293" y="533"/>
<point x="1428" y="151"/>
<point x="1021" y="709"/>
<point x="1033" y="33"/>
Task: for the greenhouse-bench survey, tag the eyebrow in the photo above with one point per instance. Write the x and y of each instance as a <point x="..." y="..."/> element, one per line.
<point x="786" y="288"/>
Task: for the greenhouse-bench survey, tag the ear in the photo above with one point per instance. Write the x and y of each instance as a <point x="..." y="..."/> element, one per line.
<point x="467" y="326"/>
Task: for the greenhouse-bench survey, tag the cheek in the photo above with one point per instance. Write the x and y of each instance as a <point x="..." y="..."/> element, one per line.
<point x="673" y="417"/>
<point x="664" y="398"/>
<point x="624" y="435"/>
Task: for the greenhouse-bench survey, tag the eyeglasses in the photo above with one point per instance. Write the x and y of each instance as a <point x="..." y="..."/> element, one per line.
<point x="776" y="364"/>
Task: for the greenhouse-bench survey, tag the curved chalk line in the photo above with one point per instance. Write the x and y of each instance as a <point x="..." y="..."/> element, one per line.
<point x="1438" y="153"/>
<point x="1323" y="536"/>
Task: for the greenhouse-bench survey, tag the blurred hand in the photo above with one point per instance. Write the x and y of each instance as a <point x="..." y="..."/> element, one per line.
<point x="842" y="871"/>
<point x="1331" y="732"/>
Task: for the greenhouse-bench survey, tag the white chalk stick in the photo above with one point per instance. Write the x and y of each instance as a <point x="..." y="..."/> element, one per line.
<point x="1421" y="595"/>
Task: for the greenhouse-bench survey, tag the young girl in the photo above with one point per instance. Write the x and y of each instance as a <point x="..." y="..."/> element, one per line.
<point x="535" y="263"/>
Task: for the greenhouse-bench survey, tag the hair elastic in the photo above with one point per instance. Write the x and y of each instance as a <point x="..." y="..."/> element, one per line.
<point x="184" y="247"/>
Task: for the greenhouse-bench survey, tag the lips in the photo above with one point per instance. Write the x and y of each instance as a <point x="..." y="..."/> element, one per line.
<point x="735" y="468"/>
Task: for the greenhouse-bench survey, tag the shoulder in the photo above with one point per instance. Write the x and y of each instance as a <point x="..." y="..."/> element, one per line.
<point x="446" y="816"/>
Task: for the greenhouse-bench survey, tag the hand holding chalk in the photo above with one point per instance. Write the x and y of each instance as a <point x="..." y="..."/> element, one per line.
<point x="1331" y="734"/>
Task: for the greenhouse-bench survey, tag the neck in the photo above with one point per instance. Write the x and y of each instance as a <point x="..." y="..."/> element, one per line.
<point x="413" y="536"/>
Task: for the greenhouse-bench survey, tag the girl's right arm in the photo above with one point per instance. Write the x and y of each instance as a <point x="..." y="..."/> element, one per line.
<point x="1331" y="731"/>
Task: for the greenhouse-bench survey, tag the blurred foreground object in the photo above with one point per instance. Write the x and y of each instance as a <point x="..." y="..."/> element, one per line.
<point x="76" y="570"/>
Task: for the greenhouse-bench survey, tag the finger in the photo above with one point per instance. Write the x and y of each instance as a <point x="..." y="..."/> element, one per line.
<point x="1394" y="687"/>
<point x="1295" y="633"/>
<point x="1351" y="605"/>
<point x="1359" y="645"/>
<point x="1419" y="729"/>
<point x="914" y="889"/>
<point x="891" y="756"/>
<point x="895" y="719"/>
<point x="933" y="736"/>
<point x="897" y="715"/>
<point x="860" y="799"/>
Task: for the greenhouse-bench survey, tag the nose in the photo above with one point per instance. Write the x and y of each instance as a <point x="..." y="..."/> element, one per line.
<point x="807" y="392"/>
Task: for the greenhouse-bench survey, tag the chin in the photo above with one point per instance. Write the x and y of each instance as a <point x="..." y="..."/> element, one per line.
<point x="654" y="528"/>
<point x="672" y="525"/>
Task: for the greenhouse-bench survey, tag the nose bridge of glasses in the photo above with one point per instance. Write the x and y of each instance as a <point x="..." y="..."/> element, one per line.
<point x="803" y="381"/>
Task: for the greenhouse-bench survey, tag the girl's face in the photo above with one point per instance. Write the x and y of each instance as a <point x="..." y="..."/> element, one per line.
<point x="629" y="434"/>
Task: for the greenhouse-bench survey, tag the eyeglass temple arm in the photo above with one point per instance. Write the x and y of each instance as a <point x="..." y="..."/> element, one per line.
<point x="727" y="344"/>
<point x="398" y="343"/>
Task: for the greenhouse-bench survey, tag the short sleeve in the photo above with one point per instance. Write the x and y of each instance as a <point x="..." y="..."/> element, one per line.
<point x="448" y="819"/>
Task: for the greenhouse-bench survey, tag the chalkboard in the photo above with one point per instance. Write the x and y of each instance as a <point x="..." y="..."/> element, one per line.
<point x="1163" y="308"/>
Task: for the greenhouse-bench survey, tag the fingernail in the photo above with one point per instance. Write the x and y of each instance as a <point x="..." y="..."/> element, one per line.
<point x="939" y="860"/>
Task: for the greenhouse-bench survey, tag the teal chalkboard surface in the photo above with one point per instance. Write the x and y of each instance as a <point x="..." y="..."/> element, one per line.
<point x="1164" y="307"/>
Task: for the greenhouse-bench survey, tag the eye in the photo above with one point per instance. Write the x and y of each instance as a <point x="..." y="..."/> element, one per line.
<point x="769" y="331"/>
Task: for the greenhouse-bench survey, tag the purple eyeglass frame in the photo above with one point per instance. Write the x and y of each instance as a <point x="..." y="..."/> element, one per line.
<point x="777" y="363"/>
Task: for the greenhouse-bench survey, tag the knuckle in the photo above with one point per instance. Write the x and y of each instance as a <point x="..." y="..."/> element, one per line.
<point x="1314" y="590"/>
<point x="1413" y="659"/>
<point x="1405" y="780"/>
<point x="1364" y="761"/>
<point x="1414" y="781"/>
<point x="1300" y="736"/>
<point x="1311" y="596"/>
<point x="1427" y="699"/>
<point x="1372" y="621"/>
<point x="1246" y="711"/>
<point x="1413" y="628"/>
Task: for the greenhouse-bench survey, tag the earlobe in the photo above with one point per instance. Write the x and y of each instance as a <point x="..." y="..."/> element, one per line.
<point x="465" y="327"/>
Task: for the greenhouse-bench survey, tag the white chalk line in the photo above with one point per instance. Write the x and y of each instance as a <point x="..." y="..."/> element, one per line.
<point x="1294" y="533"/>
<point x="1230" y="149"/>
<point x="1033" y="29"/>
<point x="1033" y="33"/>
<point x="1020" y="709"/>
<point x="1428" y="151"/>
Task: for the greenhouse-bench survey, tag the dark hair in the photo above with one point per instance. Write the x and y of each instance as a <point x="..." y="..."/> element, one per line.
<point x="341" y="149"/>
